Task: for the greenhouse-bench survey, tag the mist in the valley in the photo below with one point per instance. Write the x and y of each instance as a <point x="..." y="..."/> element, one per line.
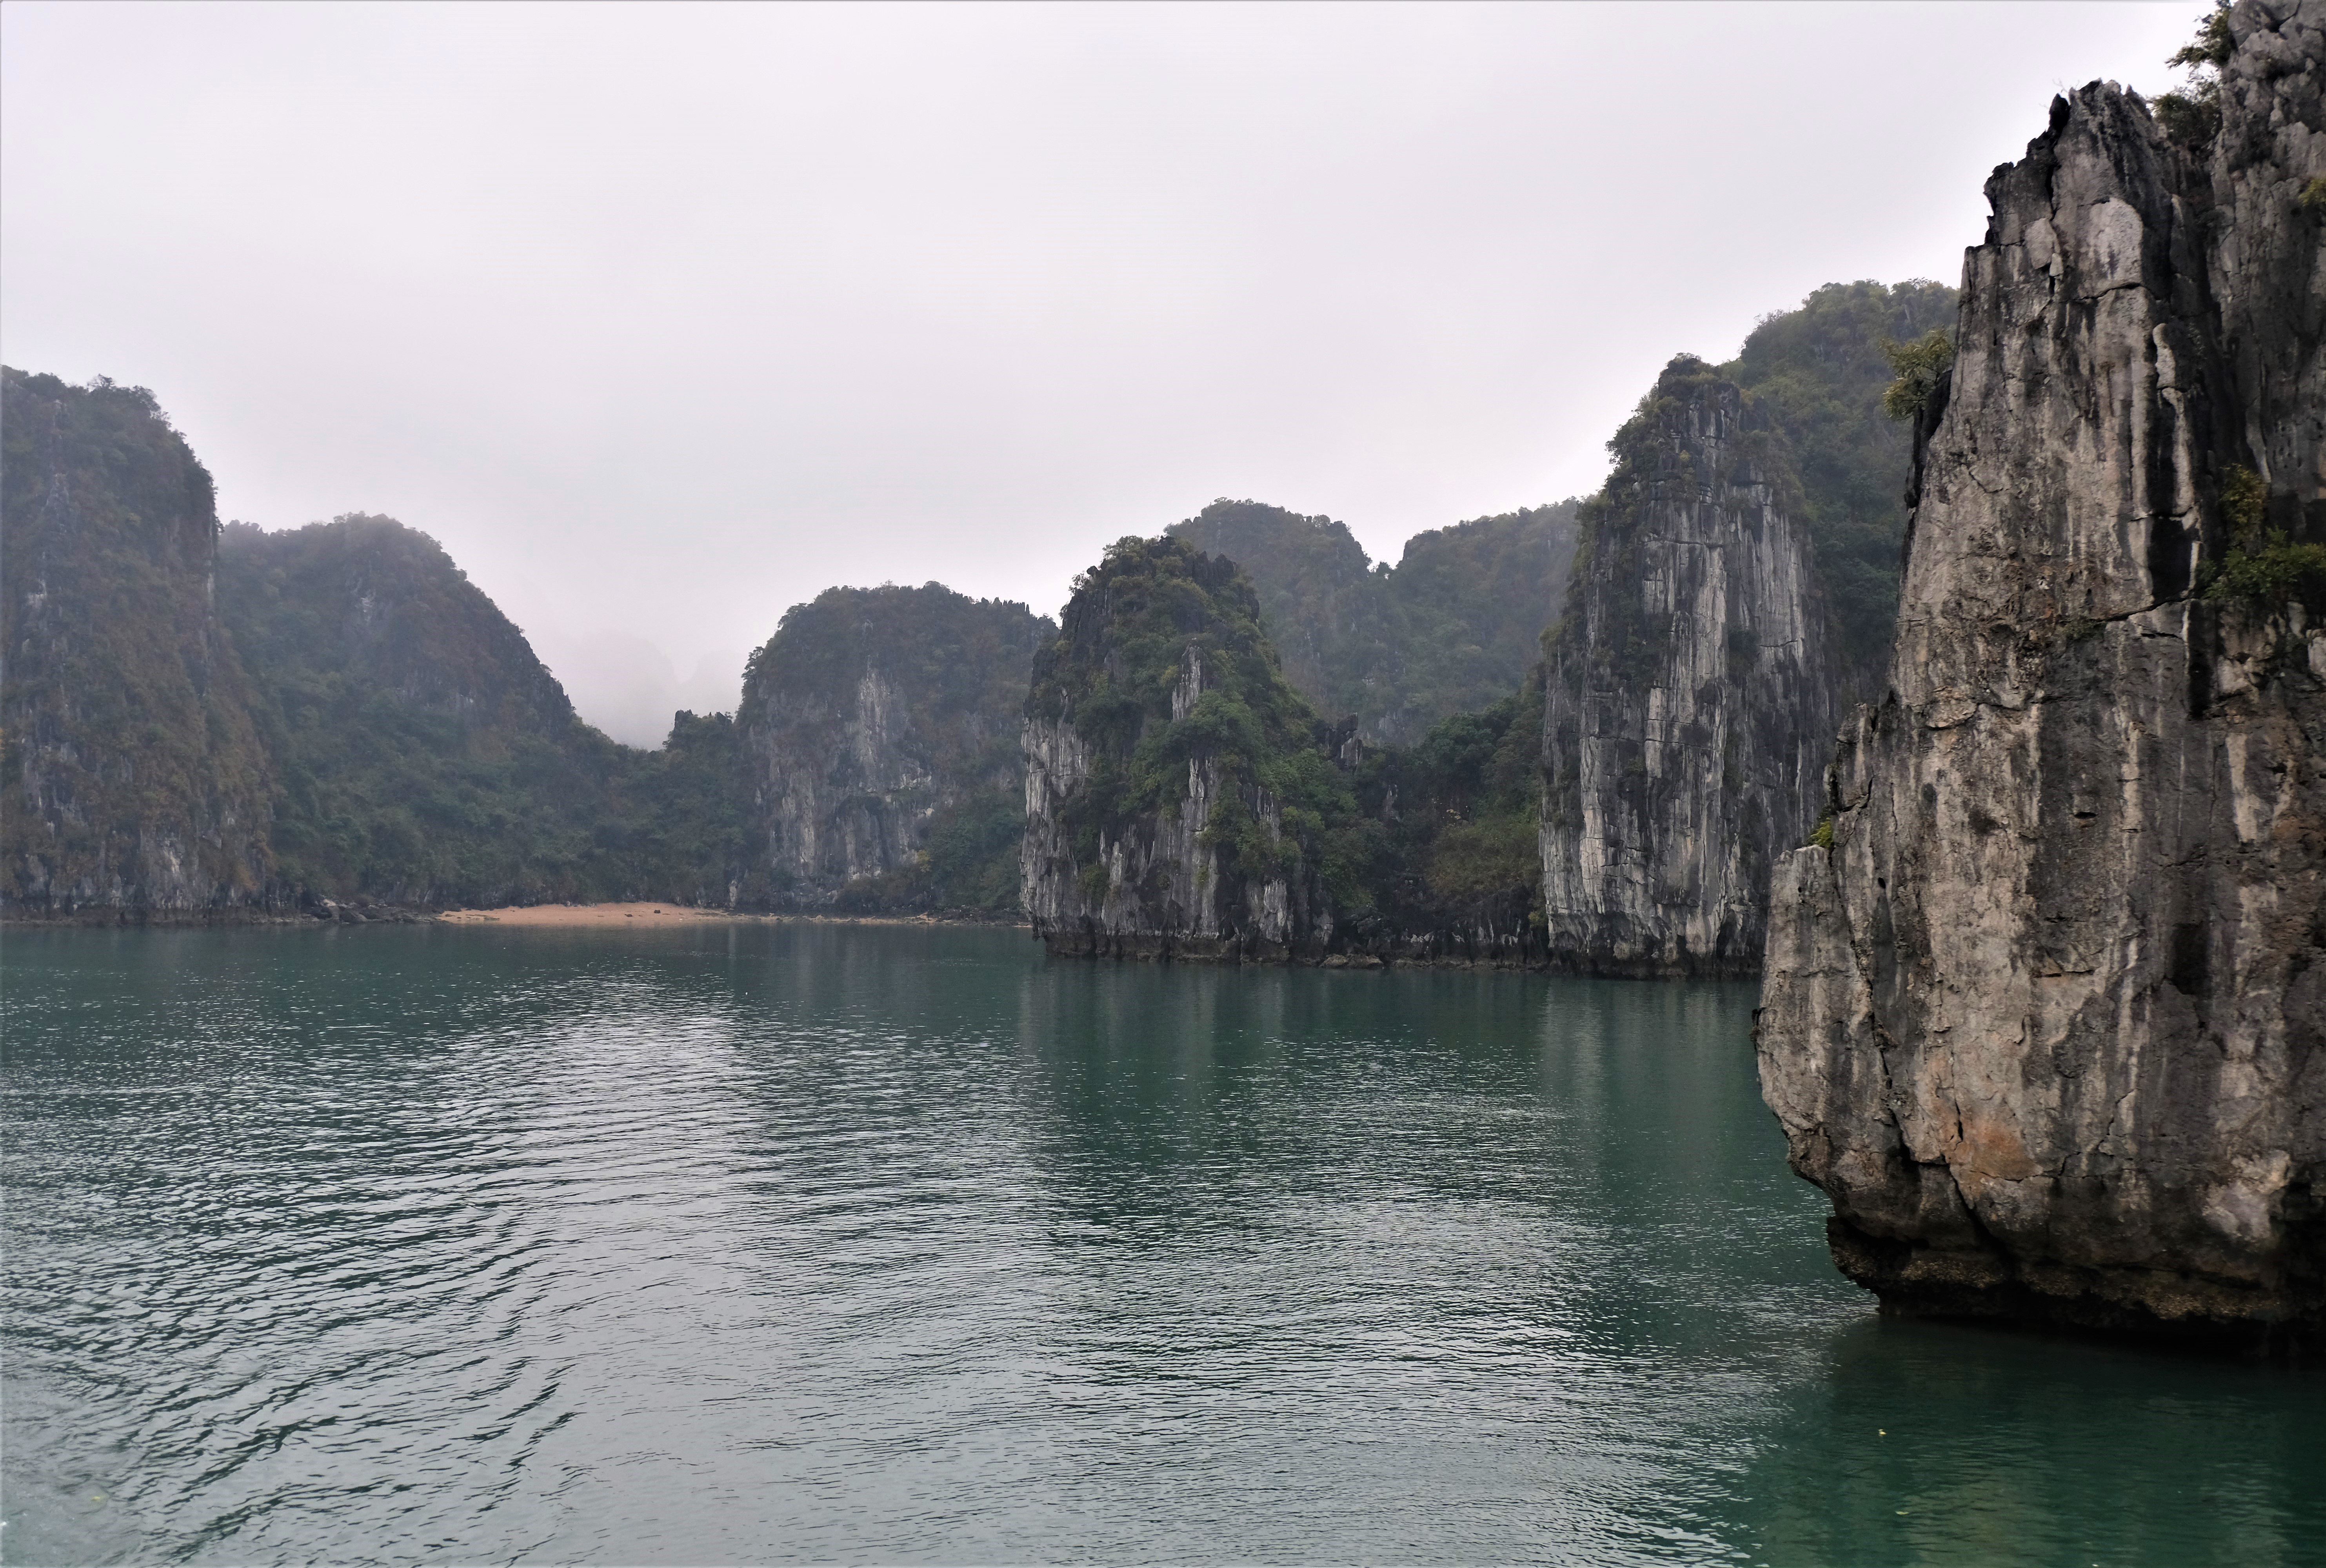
<point x="663" y="319"/>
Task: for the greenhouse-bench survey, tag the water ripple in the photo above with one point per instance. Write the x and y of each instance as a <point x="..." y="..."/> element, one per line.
<point x="802" y="1243"/>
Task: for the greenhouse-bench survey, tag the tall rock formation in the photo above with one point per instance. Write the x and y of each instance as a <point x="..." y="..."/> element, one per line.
<point x="135" y="782"/>
<point x="2046" y="1021"/>
<point x="881" y="731"/>
<point x="1690" y="695"/>
<point x="1182" y="800"/>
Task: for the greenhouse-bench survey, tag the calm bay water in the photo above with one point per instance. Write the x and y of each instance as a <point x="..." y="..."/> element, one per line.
<point x="790" y="1243"/>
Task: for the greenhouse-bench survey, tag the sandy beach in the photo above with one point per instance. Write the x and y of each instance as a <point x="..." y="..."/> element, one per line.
<point x="570" y="914"/>
<point x="590" y="914"/>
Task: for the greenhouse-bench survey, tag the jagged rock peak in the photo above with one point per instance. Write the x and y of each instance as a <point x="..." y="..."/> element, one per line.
<point x="1690" y="697"/>
<point x="2045" y="1021"/>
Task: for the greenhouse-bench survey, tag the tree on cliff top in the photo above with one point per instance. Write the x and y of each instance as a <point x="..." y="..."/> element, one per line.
<point x="2194" y="115"/>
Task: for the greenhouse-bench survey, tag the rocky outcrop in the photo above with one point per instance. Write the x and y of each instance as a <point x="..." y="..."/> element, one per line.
<point x="1179" y="791"/>
<point x="874" y="716"/>
<point x="1821" y="372"/>
<point x="2046" y="1020"/>
<point x="135" y="784"/>
<point x="1689" y="706"/>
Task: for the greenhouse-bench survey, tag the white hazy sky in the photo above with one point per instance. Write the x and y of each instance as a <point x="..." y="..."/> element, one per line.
<point x="665" y="318"/>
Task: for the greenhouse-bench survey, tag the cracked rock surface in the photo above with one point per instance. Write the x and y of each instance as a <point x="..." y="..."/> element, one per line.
<point x="868" y="712"/>
<point x="1689" y="695"/>
<point x="2045" y="1021"/>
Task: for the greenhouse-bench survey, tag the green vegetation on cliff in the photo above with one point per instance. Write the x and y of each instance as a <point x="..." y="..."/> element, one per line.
<point x="1820" y="373"/>
<point x="1450" y="628"/>
<point x="1150" y="611"/>
<point x="1323" y="604"/>
<point x="880" y="727"/>
<point x="424" y="754"/>
<point x="2263" y="566"/>
<point x="1163" y="696"/>
<point x="2193" y="118"/>
<point x="133" y="777"/>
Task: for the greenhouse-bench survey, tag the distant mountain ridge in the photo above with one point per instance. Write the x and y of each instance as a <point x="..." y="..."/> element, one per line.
<point x="212" y="723"/>
<point x="1450" y="628"/>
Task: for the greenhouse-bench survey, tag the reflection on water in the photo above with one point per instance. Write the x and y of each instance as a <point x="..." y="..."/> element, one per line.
<point x="784" y="1242"/>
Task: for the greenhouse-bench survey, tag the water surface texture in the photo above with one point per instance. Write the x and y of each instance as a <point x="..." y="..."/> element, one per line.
<point x="797" y="1242"/>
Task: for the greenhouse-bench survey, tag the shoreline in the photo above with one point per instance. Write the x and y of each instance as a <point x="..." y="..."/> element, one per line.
<point x="649" y="914"/>
<point x="642" y="914"/>
<point x="622" y="915"/>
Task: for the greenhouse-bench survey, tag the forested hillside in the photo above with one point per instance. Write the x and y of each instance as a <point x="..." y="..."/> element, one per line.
<point x="1450" y="628"/>
<point x="424" y="757"/>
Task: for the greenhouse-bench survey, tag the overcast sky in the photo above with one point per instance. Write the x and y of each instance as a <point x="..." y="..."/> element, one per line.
<point x="665" y="318"/>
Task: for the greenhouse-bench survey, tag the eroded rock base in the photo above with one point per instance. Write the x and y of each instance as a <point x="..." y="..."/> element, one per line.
<point x="2161" y="1305"/>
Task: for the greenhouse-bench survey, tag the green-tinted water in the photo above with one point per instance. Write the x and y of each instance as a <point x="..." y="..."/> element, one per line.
<point x="782" y="1242"/>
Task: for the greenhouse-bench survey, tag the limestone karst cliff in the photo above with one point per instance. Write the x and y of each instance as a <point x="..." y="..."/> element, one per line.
<point x="880" y="727"/>
<point x="2046" y="1020"/>
<point x="1182" y="800"/>
<point x="1689" y="693"/>
<point x="135" y="782"/>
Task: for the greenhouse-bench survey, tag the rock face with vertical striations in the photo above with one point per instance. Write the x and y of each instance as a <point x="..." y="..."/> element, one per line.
<point x="1182" y="800"/>
<point x="2047" y="1021"/>
<point x="136" y="787"/>
<point x="1689" y="703"/>
<point x="878" y="725"/>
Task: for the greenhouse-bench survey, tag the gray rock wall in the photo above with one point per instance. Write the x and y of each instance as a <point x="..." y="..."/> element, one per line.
<point x="842" y="787"/>
<point x="1155" y="888"/>
<point x="870" y="712"/>
<point x="1689" y="702"/>
<point x="2045" y="1021"/>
